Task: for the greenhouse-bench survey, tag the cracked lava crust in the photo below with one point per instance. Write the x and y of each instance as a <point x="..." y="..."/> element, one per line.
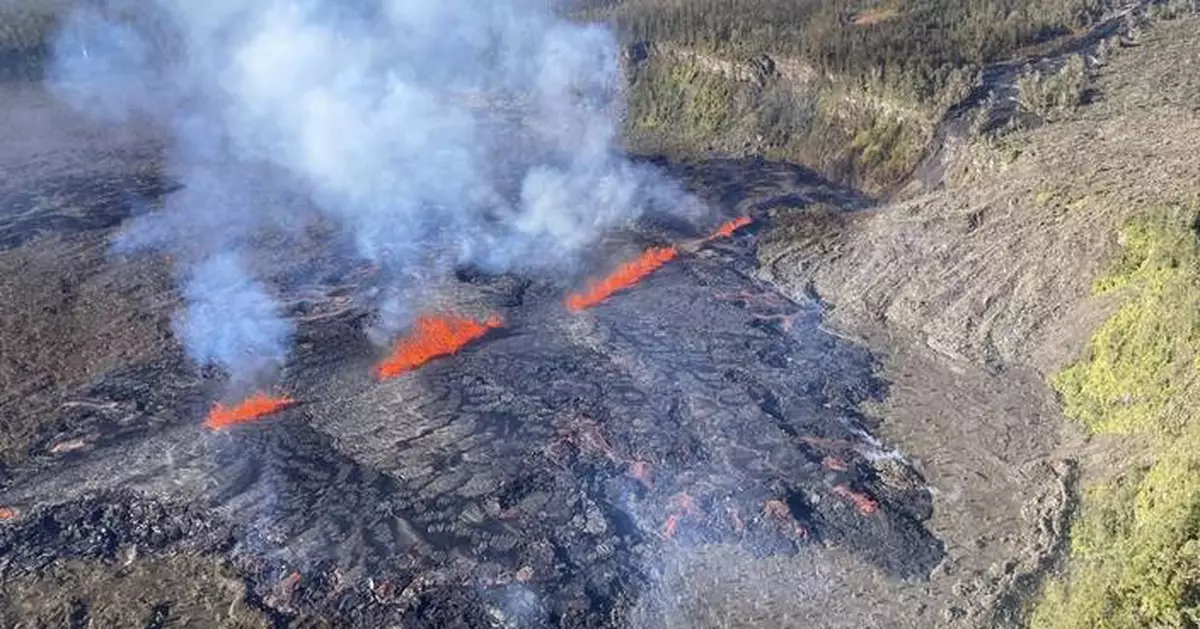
<point x="530" y="479"/>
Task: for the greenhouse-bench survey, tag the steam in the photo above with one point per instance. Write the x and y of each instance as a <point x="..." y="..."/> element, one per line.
<point x="218" y="287"/>
<point x="433" y="133"/>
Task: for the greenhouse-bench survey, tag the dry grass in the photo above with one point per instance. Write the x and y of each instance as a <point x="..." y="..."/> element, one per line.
<point x="192" y="592"/>
<point x="876" y="15"/>
<point x="1055" y="96"/>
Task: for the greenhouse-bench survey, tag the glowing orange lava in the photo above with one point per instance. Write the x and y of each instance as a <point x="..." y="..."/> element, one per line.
<point x="625" y="276"/>
<point x="670" y="526"/>
<point x="682" y="506"/>
<point x="862" y="502"/>
<point x="254" y="407"/>
<point x="726" y="230"/>
<point x="433" y="337"/>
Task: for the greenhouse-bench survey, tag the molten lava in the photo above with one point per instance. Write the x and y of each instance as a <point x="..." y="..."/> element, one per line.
<point x="254" y="407"/>
<point x="726" y="230"/>
<point x="636" y="270"/>
<point x="433" y="337"/>
<point x="625" y="276"/>
<point x="864" y="503"/>
<point x="682" y="506"/>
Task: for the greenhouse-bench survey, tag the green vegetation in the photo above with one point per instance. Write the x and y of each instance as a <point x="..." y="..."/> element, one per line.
<point x="853" y="88"/>
<point x="912" y="46"/>
<point x="1142" y="361"/>
<point x="1135" y="548"/>
<point x="685" y="104"/>
<point x="887" y="148"/>
<point x="683" y="97"/>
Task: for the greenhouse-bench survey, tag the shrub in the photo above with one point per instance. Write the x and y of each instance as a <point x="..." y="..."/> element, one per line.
<point x="1135" y="548"/>
<point x="1143" y="358"/>
<point x="1171" y="9"/>
<point x="1054" y="96"/>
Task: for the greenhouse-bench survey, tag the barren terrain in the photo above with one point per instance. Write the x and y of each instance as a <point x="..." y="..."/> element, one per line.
<point x="540" y="477"/>
<point x="837" y="417"/>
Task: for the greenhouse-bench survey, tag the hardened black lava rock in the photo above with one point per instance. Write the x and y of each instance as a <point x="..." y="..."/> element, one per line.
<point x="533" y="479"/>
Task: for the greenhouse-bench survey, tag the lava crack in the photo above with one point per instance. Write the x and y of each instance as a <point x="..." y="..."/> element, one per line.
<point x="252" y="408"/>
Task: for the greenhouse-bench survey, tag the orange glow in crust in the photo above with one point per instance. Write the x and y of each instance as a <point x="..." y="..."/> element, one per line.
<point x="626" y="275"/>
<point x="432" y="337"/>
<point x="834" y="463"/>
<point x="682" y="506"/>
<point x="640" y="470"/>
<point x="252" y="408"/>
<point x="862" y="502"/>
<point x="670" y="526"/>
<point x="726" y="230"/>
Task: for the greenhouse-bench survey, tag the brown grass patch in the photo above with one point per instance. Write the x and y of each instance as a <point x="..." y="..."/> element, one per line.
<point x="874" y="15"/>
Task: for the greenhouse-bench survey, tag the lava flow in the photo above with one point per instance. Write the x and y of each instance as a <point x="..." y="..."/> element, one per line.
<point x="726" y="230"/>
<point x="252" y="408"/>
<point x="625" y="276"/>
<point x="864" y="503"/>
<point x="432" y="337"/>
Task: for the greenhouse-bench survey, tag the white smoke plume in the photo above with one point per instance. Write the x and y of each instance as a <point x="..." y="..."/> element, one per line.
<point x="435" y="133"/>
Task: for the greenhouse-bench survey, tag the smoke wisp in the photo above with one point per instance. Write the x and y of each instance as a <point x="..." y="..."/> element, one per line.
<point x="432" y="134"/>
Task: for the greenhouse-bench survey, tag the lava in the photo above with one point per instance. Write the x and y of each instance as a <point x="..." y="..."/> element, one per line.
<point x="626" y="275"/>
<point x="778" y="511"/>
<point x="864" y="503"/>
<point x="682" y="506"/>
<point x="640" y="470"/>
<point x="834" y="463"/>
<point x="70" y="445"/>
<point x="636" y="270"/>
<point x="670" y="526"/>
<point x="252" y="408"/>
<point x="433" y="337"/>
<point x="726" y="230"/>
<point x="284" y="592"/>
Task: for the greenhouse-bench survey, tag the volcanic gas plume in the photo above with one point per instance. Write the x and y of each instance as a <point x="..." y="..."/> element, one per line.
<point x="252" y="408"/>
<point x="432" y="337"/>
<point x="424" y="135"/>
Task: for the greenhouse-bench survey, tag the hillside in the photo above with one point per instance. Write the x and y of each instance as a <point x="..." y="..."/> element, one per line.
<point x="854" y="89"/>
<point x="948" y="377"/>
<point x="1067" y="252"/>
